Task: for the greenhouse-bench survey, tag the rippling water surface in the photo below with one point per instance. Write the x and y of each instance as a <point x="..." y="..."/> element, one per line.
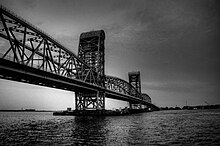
<point x="185" y="127"/>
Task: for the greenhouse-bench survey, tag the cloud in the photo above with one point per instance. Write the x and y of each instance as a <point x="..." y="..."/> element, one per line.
<point x="179" y="86"/>
<point x="2" y="43"/>
<point x="26" y="4"/>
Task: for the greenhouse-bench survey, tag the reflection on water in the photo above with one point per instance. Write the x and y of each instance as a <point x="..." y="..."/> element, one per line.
<point x="186" y="127"/>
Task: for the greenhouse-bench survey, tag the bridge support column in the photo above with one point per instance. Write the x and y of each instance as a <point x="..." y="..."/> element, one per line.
<point x="92" y="101"/>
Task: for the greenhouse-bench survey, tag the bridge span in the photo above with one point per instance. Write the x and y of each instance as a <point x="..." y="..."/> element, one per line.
<point x="32" y="56"/>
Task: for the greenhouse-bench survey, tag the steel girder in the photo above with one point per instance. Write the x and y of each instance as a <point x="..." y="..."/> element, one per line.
<point x="30" y="46"/>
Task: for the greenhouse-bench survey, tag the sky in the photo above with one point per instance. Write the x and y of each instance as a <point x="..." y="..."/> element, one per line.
<point x="173" y="43"/>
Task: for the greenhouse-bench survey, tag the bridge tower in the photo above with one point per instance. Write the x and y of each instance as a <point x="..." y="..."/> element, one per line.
<point x="92" y="52"/>
<point x="135" y="80"/>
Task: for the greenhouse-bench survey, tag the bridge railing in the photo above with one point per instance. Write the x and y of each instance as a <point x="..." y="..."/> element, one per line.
<point x="23" y="43"/>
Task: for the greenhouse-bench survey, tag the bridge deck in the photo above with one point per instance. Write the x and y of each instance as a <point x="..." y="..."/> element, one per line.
<point x="13" y="71"/>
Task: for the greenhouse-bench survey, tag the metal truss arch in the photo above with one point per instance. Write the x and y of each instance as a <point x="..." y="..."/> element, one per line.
<point x="119" y="85"/>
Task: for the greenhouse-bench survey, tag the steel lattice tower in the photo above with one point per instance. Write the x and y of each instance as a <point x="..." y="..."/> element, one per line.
<point x="92" y="52"/>
<point x="135" y="80"/>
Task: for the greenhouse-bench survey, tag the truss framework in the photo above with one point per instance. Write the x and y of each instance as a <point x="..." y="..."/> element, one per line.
<point x="30" y="46"/>
<point x="91" y="51"/>
<point x="122" y="86"/>
<point x="23" y="43"/>
<point x="92" y="101"/>
<point x="135" y="81"/>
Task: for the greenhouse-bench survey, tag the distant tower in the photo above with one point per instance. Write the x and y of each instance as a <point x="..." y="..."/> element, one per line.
<point x="92" y="52"/>
<point x="135" y="80"/>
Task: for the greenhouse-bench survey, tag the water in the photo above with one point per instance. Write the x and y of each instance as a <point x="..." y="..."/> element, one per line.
<point x="185" y="127"/>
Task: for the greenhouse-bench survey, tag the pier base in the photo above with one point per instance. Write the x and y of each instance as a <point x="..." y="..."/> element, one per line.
<point x="100" y="112"/>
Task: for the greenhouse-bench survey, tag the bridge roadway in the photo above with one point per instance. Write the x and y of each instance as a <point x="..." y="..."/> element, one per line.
<point x="58" y="68"/>
<point x="18" y="72"/>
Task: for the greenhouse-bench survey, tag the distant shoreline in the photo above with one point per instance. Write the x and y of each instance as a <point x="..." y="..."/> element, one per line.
<point x="26" y="111"/>
<point x="216" y="106"/>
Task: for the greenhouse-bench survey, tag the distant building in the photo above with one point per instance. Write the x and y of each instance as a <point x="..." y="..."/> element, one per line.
<point x="146" y="97"/>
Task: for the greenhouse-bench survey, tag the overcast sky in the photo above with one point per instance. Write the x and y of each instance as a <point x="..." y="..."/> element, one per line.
<point x="173" y="43"/>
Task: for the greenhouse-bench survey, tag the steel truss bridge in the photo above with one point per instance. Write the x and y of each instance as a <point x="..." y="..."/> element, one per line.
<point x="27" y="54"/>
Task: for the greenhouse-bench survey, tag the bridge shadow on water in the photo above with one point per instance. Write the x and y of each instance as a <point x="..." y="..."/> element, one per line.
<point x="122" y="130"/>
<point x="45" y="129"/>
<point x="89" y="130"/>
